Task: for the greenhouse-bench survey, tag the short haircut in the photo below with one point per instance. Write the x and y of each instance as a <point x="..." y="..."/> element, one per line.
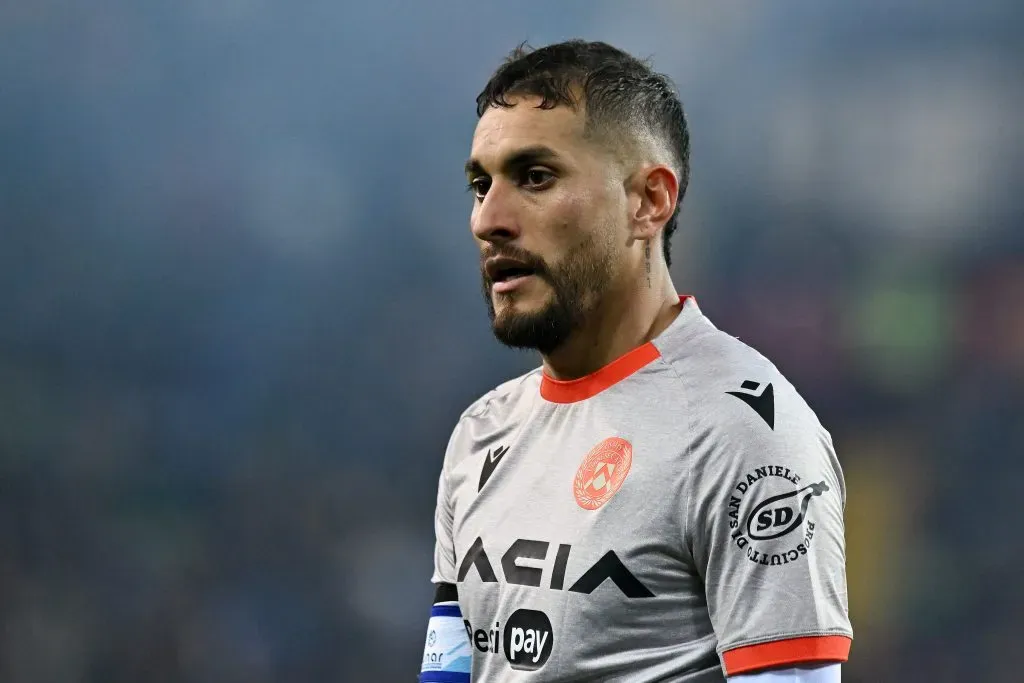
<point x="621" y="94"/>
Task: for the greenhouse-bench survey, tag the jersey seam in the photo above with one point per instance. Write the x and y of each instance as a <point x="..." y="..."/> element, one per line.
<point x="688" y="457"/>
<point x="687" y="488"/>
<point x="785" y="635"/>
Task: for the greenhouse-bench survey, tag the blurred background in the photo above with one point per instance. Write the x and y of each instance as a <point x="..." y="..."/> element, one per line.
<point x="240" y="312"/>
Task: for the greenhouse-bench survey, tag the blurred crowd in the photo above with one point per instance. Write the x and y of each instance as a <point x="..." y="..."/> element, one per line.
<point x="240" y="313"/>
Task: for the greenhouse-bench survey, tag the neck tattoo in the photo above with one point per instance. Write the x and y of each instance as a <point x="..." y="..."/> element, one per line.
<point x="647" y="260"/>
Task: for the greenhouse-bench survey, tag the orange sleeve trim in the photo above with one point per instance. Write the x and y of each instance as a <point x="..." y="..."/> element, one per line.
<point x="789" y="651"/>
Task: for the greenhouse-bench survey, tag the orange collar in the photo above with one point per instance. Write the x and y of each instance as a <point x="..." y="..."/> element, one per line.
<point x="588" y="386"/>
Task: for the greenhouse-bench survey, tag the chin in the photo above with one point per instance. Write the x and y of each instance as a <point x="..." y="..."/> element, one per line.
<point x="520" y="303"/>
<point x="539" y="325"/>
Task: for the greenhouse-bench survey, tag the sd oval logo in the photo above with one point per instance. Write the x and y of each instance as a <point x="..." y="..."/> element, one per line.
<point x="776" y="516"/>
<point x="602" y="472"/>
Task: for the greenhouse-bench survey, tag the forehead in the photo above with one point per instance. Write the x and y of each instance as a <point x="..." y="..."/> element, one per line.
<point x="503" y="130"/>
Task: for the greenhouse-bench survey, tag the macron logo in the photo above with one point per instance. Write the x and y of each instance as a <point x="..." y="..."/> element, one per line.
<point x="490" y="463"/>
<point x="763" y="403"/>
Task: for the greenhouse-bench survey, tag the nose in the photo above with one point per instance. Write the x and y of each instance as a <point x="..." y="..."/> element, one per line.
<point x="494" y="219"/>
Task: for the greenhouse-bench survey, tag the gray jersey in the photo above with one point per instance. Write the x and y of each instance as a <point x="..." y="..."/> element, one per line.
<point x="676" y="514"/>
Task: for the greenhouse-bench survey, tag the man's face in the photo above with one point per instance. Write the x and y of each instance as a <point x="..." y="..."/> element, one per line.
<point x="549" y="215"/>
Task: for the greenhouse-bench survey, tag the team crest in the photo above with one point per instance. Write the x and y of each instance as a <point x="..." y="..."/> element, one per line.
<point x="602" y="472"/>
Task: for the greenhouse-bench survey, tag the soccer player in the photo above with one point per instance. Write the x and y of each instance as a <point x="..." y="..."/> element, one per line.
<point x="655" y="502"/>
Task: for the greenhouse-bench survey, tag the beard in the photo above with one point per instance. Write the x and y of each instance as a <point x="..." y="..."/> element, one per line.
<point x="576" y="282"/>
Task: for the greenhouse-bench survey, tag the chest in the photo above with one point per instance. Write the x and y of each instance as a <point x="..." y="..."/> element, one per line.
<point x="571" y="502"/>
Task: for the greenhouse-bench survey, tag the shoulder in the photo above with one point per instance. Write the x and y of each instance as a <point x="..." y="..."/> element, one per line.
<point x="746" y="420"/>
<point x="503" y="399"/>
<point x="729" y="384"/>
<point x="495" y="411"/>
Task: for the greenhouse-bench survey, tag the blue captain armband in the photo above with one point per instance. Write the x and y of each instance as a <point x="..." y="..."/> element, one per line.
<point x="446" y="654"/>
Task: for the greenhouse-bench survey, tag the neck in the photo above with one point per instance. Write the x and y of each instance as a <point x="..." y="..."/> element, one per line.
<point x="623" y="321"/>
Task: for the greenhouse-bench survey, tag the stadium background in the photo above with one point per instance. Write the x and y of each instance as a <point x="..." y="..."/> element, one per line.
<point x="239" y="312"/>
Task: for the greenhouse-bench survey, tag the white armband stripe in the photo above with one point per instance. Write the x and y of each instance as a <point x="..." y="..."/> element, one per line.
<point x="446" y="655"/>
<point x="828" y="673"/>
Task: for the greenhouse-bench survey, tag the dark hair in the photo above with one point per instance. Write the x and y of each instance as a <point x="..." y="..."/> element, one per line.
<point x="620" y="93"/>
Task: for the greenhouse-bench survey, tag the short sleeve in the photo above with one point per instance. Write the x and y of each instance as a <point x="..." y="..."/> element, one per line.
<point x="764" y="522"/>
<point x="444" y="544"/>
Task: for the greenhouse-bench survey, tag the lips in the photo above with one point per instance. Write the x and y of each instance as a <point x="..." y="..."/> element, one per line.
<point x="503" y="269"/>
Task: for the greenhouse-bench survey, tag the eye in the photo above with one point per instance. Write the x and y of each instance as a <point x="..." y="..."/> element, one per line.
<point x="537" y="178"/>
<point x="479" y="186"/>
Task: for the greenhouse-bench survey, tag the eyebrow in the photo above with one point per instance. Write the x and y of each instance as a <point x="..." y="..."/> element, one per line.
<point x="527" y="156"/>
